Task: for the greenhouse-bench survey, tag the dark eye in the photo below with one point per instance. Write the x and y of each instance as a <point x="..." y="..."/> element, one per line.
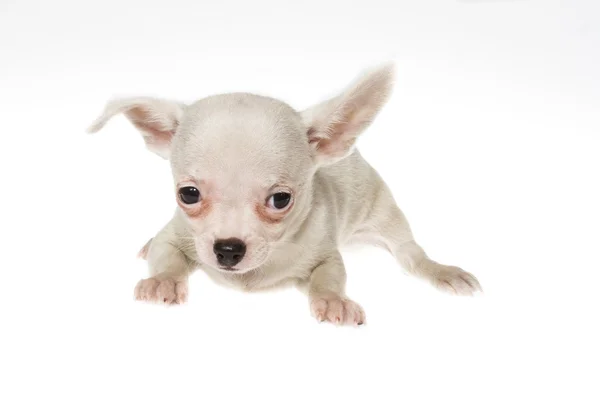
<point x="279" y="201"/>
<point x="189" y="195"/>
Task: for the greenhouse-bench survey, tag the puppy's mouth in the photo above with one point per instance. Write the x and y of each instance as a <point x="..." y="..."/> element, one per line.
<point x="233" y="270"/>
<point x="228" y="268"/>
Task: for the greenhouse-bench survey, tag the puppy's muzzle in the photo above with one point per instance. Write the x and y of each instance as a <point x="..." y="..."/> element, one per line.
<point x="229" y="252"/>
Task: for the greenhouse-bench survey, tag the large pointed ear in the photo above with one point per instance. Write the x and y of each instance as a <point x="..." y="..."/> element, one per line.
<point x="156" y="119"/>
<point x="334" y="125"/>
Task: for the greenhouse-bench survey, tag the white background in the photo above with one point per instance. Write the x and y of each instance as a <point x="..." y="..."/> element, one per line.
<point x="490" y="144"/>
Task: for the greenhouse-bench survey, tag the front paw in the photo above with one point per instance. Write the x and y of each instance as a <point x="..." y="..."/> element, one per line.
<point x="455" y="280"/>
<point x="162" y="290"/>
<point x="337" y="310"/>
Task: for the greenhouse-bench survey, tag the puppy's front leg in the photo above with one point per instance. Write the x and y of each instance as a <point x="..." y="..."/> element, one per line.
<point x="169" y="271"/>
<point x="326" y="292"/>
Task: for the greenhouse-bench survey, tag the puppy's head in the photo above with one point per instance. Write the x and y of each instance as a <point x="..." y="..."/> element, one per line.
<point x="243" y="164"/>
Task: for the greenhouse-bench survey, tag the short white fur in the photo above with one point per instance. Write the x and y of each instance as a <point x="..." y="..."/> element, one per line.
<point x="240" y="148"/>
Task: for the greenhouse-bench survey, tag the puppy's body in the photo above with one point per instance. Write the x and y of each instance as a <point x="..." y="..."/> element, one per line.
<point x="268" y="195"/>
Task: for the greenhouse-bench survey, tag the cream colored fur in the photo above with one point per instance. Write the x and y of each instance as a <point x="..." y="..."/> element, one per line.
<point x="234" y="148"/>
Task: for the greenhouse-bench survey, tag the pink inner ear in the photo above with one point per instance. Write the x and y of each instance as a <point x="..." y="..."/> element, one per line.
<point x="160" y="140"/>
<point x="340" y="135"/>
<point x="334" y="148"/>
<point x="312" y="136"/>
<point x="157" y="133"/>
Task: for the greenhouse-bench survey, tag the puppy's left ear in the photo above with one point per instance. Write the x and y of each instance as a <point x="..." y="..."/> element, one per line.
<point x="156" y="119"/>
<point x="334" y="125"/>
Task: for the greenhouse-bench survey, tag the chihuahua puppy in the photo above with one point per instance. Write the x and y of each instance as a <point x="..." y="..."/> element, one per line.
<point x="267" y="196"/>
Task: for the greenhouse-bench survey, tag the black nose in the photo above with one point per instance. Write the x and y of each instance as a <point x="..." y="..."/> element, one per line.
<point x="229" y="251"/>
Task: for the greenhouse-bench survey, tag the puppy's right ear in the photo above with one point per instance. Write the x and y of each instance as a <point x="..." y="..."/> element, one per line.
<point x="156" y="119"/>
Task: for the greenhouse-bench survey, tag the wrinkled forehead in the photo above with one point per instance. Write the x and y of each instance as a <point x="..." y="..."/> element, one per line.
<point x="241" y="137"/>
